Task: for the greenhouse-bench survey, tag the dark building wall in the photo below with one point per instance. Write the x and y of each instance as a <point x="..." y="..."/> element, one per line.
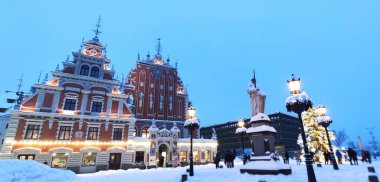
<point x="287" y="128"/>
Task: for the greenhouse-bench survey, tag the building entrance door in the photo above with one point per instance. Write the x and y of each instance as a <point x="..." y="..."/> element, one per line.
<point x="115" y="161"/>
<point x="163" y="155"/>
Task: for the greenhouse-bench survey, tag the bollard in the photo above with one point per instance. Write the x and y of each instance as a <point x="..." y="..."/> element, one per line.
<point x="188" y="170"/>
<point x="319" y="165"/>
<point x="184" y="177"/>
<point x="373" y="178"/>
<point x="371" y="169"/>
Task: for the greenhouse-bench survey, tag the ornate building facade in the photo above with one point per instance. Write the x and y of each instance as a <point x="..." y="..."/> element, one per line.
<point x="85" y="120"/>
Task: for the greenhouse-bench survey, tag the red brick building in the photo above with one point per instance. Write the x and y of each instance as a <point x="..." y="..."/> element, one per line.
<point x="85" y="120"/>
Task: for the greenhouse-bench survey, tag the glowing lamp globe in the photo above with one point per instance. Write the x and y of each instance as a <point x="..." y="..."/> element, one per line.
<point x="294" y="85"/>
<point x="241" y="123"/>
<point x="191" y="112"/>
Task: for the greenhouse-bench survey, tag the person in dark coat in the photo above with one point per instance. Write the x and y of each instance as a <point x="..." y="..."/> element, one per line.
<point x="286" y="160"/>
<point x="364" y="158"/>
<point x="339" y="156"/>
<point x="227" y="159"/>
<point x="233" y="156"/>
<point x="351" y="154"/>
<point x="216" y="161"/>
<point x="368" y="156"/>
<point x="245" y="158"/>
<point x="327" y="157"/>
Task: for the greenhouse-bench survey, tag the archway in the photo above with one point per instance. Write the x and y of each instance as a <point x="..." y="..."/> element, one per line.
<point x="163" y="154"/>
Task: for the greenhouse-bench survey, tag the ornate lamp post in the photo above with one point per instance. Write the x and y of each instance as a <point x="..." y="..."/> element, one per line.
<point x="241" y="130"/>
<point x="325" y="122"/>
<point x="299" y="102"/>
<point x="191" y="124"/>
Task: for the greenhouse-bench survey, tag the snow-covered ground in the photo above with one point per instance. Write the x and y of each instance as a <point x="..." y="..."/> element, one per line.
<point x="202" y="173"/>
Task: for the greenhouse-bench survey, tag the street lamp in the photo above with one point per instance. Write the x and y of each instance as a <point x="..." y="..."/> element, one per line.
<point x="191" y="124"/>
<point x="299" y="102"/>
<point x="241" y="130"/>
<point x="325" y="122"/>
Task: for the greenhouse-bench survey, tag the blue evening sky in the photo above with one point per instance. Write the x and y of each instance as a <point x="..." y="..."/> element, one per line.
<point x="332" y="45"/>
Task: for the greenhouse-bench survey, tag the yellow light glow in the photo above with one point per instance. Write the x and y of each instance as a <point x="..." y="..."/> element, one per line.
<point x="68" y="112"/>
<point x="158" y="61"/>
<point x="116" y="91"/>
<point x="294" y="86"/>
<point x="241" y="123"/>
<point x="28" y="109"/>
<point x="191" y="112"/>
<point x="53" y="83"/>
<point x="321" y="110"/>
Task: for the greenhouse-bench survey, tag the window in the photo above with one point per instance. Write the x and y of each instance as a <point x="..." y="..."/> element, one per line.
<point x="32" y="131"/>
<point x="92" y="133"/>
<point x="117" y="133"/>
<point x="84" y="70"/>
<point x="183" y="156"/>
<point x="64" y="133"/>
<point x="59" y="160"/>
<point x="96" y="106"/>
<point x="144" y="133"/>
<point x="89" y="159"/>
<point x="135" y="132"/>
<point x="95" y="72"/>
<point x="26" y="157"/>
<point x="70" y="104"/>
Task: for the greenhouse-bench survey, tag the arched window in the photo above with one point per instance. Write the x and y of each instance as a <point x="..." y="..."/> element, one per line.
<point x="84" y="70"/>
<point x="135" y="132"/>
<point x="144" y="132"/>
<point x="95" y="72"/>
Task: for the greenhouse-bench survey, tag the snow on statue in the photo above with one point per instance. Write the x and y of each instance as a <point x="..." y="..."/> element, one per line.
<point x="315" y="135"/>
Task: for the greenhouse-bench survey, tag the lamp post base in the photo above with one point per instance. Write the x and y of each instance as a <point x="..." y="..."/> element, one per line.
<point x="309" y="168"/>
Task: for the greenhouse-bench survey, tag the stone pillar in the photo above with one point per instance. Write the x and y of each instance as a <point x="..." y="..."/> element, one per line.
<point x="120" y="107"/>
<point x="83" y="108"/>
<point x="109" y="104"/>
<point x="55" y="103"/>
<point x="40" y="99"/>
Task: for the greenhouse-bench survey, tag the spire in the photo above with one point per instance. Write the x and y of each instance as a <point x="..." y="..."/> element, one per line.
<point x="105" y="49"/>
<point x="253" y="80"/>
<point x="39" y="77"/>
<point x="138" y="56"/>
<point x="97" y="31"/>
<point x="158" y="47"/>
<point x="168" y="60"/>
<point x="176" y="64"/>
<point x="67" y="58"/>
<point x="46" y="77"/>
<point x="57" y="68"/>
<point x="81" y="45"/>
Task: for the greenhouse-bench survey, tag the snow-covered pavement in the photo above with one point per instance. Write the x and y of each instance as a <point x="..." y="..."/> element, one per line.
<point x="31" y="171"/>
<point x="208" y="173"/>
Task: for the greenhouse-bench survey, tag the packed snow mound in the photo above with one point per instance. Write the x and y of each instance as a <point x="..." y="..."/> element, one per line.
<point x="301" y="97"/>
<point x="32" y="171"/>
<point x="260" y="117"/>
<point x="261" y="128"/>
<point x="266" y="165"/>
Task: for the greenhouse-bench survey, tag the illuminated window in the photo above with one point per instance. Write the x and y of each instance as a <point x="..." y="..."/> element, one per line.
<point x="64" y="133"/>
<point x="32" y="131"/>
<point x="59" y="160"/>
<point x="92" y="133"/>
<point x="70" y="104"/>
<point x="135" y="132"/>
<point x="144" y="133"/>
<point x="196" y="156"/>
<point x="117" y="133"/>
<point x="84" y="70"/>
<point x="183" y="156"/>
<point x="89" y="159"/>
<point x="94" y="72"/>
<point x="26" y="157"/>
<point x="96" y="106"/>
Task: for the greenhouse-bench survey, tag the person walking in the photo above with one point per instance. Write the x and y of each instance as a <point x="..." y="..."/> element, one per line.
<point x="216" y="161"/>
<point x="286" y="160"/>
<point x="355" y="157"/>
<point x="350" y="153"/>
<point x="327" y="158"/>
<point x="368" y="156"/>
<point x="297" y="156"/>
<point x="364" y="158"/>
<point x="339" y="156"/>
<point x="233" y="156"/>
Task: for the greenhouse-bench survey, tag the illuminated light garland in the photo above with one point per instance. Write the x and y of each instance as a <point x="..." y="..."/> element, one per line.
<point x="47" y="143"/>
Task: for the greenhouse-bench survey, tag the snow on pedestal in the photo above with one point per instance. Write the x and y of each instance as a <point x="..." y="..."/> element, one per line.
<point x="301" y="97"/>
<point x="324" y="119"/>
<point x="240" y="130"/>
<point x="261" y="128"/>
<point x="191" y="122"/>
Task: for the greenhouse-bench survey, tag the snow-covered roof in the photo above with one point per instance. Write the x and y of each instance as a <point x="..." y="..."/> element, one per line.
<point x="153" y="127"/>
<point x="260" y="117"/>
<point x="324" y="119"/>
<point x="175" y="129"/>
<point x="191" y="121"/>
<point x="301" y="97"/>
<point x="240" y="130"/>
<point x="261" y="129"/>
